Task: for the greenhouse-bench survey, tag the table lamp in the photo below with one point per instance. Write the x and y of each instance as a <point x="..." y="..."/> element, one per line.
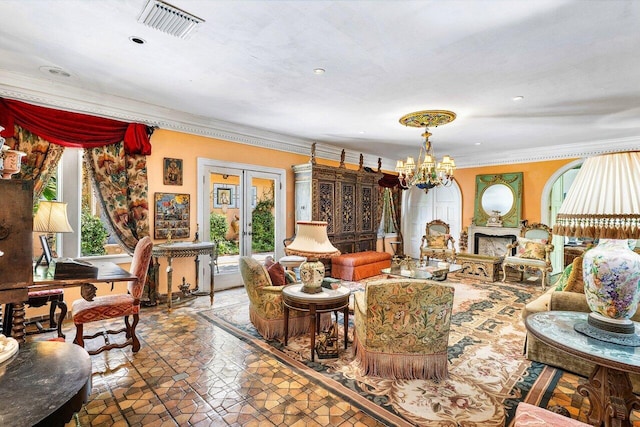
<point x="604" y="203"/>
<point x="312" y="242"/>
<point x="51" y="218"/>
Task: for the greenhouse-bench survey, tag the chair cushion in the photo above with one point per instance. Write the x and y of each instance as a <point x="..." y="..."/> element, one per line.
<point x="46" y="293"/>
<point x="103" y="307"/>
<point x="516" y="260"/>
<point x="533" y="250"/>
<point x="522" y="244"/>
<point x="436" y="241"/>
<point x="277" y="275"/>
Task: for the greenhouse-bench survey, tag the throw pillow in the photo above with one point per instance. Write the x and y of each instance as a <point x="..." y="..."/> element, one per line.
<point x="522" y="244"/>
<point x="436" y="242"/>
<point x="561" y="284"/>
<point x="268" y="262"/>
<point x="276" y="273"/>
<point x="533" y="250"/>
<point x="575" y="282"/>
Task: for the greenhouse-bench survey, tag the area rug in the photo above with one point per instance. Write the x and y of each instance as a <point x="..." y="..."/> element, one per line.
<point x="488" y="374"/>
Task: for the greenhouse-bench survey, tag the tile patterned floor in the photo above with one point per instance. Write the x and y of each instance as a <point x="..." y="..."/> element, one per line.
<point x="189" y="372"/>
<point x="196" y="374"/>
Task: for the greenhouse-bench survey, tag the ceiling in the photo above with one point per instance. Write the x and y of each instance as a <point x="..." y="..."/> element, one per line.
<point x="247" y="72"/>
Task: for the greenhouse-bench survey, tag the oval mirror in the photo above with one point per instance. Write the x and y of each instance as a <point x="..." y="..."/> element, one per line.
<point x="497" y="197"/>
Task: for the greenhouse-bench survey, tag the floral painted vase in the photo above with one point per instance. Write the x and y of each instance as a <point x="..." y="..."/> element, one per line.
<point x="611" y="273"/>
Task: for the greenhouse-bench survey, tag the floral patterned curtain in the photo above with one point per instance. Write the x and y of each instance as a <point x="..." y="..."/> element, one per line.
<point x="41" y="159"/>
<point x="120" y="181"/>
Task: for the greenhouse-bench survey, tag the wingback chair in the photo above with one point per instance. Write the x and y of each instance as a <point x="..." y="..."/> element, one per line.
<point x="533" y="252"/>
<point x="266" y="310"/>
<point x="118" y="305"/>
<point x="437" y="242"/>
<point x="402" y="328"/>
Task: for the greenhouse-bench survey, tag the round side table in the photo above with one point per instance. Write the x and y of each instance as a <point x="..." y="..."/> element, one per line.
<point x="323" y="302"/>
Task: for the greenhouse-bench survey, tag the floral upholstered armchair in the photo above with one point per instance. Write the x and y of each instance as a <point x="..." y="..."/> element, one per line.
<point x="437" y="242"/>
<point x="402" y="328"/>
<point x="266" y="310"/>
<point x="533" y="252"/>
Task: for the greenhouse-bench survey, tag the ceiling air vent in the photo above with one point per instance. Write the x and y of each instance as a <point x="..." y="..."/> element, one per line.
<point x="169" y="19"/>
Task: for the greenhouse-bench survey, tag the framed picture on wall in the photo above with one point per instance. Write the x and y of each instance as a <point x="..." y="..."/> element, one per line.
<point x="172" y="171"/>
<point x="224" y="195"/>
<point x="171" y="215"/>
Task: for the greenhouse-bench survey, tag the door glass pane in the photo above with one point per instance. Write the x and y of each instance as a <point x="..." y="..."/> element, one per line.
<point x="260" y="199"/>
<point x="225" y="219"/>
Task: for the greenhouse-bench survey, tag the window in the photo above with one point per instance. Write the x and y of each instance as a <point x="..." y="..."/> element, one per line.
<point x="89" y="237"/>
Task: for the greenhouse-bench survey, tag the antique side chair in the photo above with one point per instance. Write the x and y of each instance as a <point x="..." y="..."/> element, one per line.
<point x="114" y="306"/>
<point x="533" y="252"/>
<point x="437" y="242"/>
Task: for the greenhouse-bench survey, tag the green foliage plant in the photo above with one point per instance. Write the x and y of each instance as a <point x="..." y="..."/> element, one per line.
<point x="93" y="236"/>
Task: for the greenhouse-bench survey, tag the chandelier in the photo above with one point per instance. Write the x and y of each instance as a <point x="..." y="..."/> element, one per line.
<point x="426" y="173"/>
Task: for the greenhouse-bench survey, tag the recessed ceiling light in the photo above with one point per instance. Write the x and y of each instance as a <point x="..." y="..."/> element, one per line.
<point x="362" y="132"/>
<point x="318" y="71"/>
<point x="477" y="143"/>
<point x="137" y="40"/>
<point x="518" y="98"/>
<point x="56" y="71"/>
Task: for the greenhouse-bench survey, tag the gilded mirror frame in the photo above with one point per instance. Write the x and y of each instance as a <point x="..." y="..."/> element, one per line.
<point x="514" y="182"/>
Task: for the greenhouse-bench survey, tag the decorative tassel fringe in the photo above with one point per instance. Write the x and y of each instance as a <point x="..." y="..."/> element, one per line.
<point x="609" y="226"/>
<point x="272" y="329"/>
<point x="402" y="366"/>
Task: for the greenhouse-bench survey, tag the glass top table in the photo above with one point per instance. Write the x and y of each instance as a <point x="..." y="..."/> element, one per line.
<point x="609" y="388"/>
<point x="432" y="271"/>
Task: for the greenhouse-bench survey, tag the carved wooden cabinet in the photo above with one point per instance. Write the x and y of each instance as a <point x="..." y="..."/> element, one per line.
<point x="16" y="241"/>
<point x="348" y="200"/>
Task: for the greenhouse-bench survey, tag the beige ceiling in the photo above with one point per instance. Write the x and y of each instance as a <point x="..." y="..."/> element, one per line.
<point x="246" y="73"/>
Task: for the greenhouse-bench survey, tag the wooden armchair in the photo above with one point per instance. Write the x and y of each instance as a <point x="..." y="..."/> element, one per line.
<point x="533" y="252"/>
<point x="402" y="328"/>
<point x="437" y="242"/>
<point x="118" y="305"/>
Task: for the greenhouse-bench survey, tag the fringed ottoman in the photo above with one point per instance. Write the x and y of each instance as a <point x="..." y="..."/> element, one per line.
<point x="359" y="265"/>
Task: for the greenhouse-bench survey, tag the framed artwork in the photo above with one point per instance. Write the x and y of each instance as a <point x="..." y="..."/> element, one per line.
<point x="172" y="171"/>
<point x="171" y="215"/>
<point x="224" y="195"/>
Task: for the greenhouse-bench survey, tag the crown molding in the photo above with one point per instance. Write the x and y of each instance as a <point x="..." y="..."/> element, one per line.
<point x="54" y="94"/>
<point x="68" y="98"/>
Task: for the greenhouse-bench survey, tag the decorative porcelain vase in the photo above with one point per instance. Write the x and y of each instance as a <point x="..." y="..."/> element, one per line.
<point x="611" y="273"/>
<point x="311" y="275"/>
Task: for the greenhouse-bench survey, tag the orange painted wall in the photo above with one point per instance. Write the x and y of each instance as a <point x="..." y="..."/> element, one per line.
<point x="189" y="148"/>
<point x="535" y="177"/>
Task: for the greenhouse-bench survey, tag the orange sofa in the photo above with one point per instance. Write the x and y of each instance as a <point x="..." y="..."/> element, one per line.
<point x="359" y="265"/>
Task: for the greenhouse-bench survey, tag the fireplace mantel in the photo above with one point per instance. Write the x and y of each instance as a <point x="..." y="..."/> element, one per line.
<point x="489" y="231"/>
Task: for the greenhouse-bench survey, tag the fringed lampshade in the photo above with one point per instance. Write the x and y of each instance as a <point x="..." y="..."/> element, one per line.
<point x="312" y="242"/>
<point x="604" y="203"/>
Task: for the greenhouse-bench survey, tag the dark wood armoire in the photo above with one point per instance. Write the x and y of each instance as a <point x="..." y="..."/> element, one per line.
<point x="16" y="240"/>
<point x="348" y="200"/>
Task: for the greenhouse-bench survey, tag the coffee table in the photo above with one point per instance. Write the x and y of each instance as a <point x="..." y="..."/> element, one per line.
<point x="431" y="271"/>
<point x="326" y="301"/>
<point x="609" y="388"/>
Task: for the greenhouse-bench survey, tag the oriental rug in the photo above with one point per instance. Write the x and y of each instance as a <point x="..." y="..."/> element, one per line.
<point x="488" y="373"/>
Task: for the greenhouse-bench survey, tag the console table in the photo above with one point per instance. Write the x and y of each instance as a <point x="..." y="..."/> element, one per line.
<point x="44" y="384"/>
<point x="609" y="389"/>
<point x="180" y="250"/>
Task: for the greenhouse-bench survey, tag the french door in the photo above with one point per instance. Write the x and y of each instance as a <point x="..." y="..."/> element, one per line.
<point x="242" y="208"/>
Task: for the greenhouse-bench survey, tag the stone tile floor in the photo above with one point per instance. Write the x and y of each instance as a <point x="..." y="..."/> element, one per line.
<point x="189" y="372"/>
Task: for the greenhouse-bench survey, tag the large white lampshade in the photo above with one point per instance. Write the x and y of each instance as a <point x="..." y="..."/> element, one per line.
<point x="312" y="242"/>
<point x="604" y="203"/>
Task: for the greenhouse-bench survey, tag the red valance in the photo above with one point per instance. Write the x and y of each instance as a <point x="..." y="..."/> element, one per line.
<point x="73" y="129"/>
<point x="388" y="180"/>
